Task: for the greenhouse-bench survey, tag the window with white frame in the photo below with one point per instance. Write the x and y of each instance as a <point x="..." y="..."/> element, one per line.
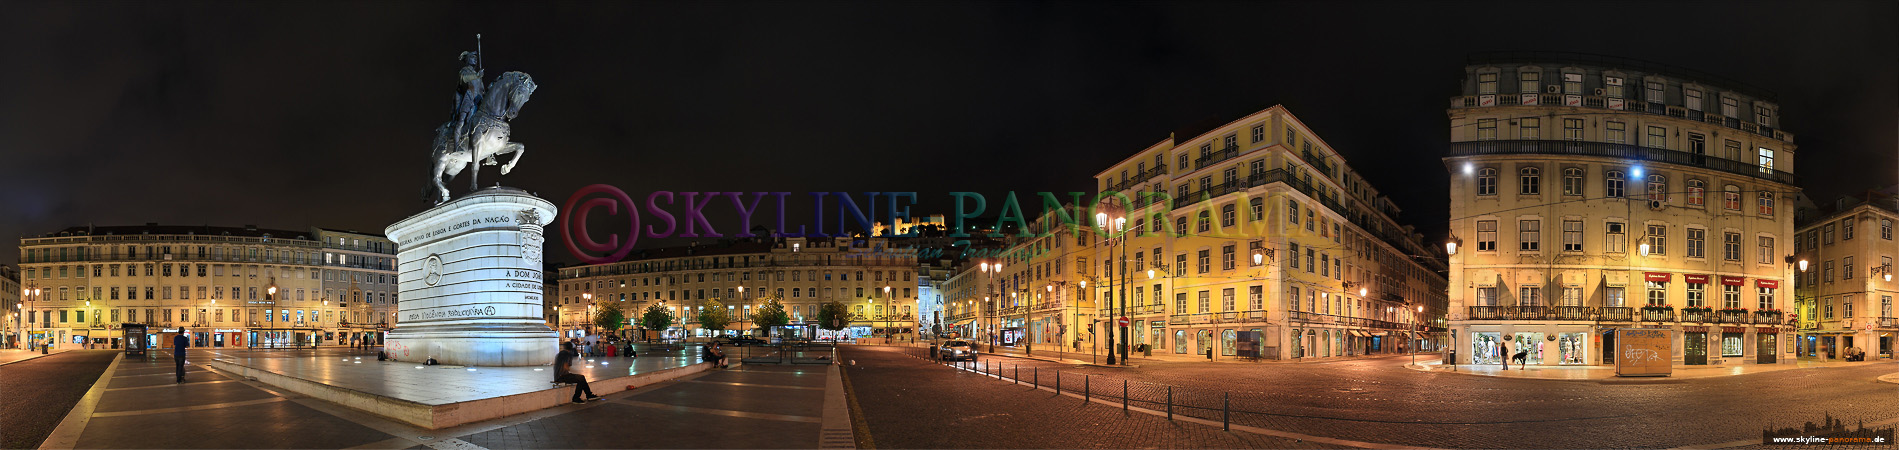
<point x="1616" y="132"/>
<point x="1615" y="237"/>
<point x="1654" y="92"/>
<point x="1529" y="82"/>
<point x="1487" y="296"/>
<point x="1530" y="296"/>
<point x="1529" y="181"/>
<point x="1572" y="296"/>
<point x="1767" y="249"/>
<point x="1697" y="243"/>
<point x="1697" y="193"/>
<point x="1612" y="184"/>
<point x="1206" y="301"/>
<point x="1730" y="106"/>
<point x="1763" y="115"/>
<point x="1766" y="160"/>
<point x="1697" y="295"/>
<point x="1657" y="293"/>
<point x="1486" y="129"/>
<point x="1764" y="203"/>
<point x="1657" y="137"/>
<point x="1612" y="87"/>
<point x="1658" y="187"/>
<point x="1487" y="181"/>
<point x="1731" y="246"/>
<point x="1657" y="239"/>
<point x="1572" y="235"/>
<point x="1730" y="296"/>
<point x="1572" y="129"/>
<point x="1846" y="268"/>
<point x="1486" y="235"/>
<point x="1255" y="298"/>
<point x="1486" y="83"/>
<point x="1572" y="181"/>
<point x="1692" y="99"/>
<point x="1731" y="198"/>
<point x="1846" y="228"/>
<point x="1612" y="296"/>
<point x="1530" y="128"/>
<point x="1226" y="300"/>
<point x="1572" y="83"/>
<point x="1764" y="297"/>
<point x="1529" y="235"/>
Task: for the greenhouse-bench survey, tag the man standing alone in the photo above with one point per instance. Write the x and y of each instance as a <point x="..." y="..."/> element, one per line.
<point x="178" y="345"/>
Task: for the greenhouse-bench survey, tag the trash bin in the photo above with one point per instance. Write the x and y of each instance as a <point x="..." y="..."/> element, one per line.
<point x="1147" y="350"/>
<point x="933" y="352"/>
<point x="1450" y="357"/>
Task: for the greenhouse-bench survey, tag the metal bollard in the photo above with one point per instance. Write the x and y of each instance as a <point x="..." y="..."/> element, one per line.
<point x="1124" y="396"/>
<point x="1170" y="403"/>
<point x="1058" y="381"/>
<point x="1226" y="411"/>
<point x="1085" y="390"/>
<point x="1037" y="373"/>
<point x="1017" y="379"/>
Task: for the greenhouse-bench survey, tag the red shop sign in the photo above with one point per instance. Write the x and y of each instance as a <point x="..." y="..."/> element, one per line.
<point x="1694" y="329"/>
<point x="1694" y="279"/>
<point x="1767" y="330"/>
<point x="1733" y="281"/>
<point x="1660" y="277"/>
<point x="1733" y="329"/>
<point x="1770" y="284"/>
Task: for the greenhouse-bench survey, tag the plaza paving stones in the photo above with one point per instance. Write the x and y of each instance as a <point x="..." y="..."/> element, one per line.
<point x="141" y="406"/>
<point x="911" y="403"/>
<point x="1379" y="400"/>
<point x="433" y="385"/>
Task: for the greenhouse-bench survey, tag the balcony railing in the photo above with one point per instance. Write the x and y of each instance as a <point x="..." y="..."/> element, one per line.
<point x="1735" y="317"/>
<point x="1215" y="157"/>
<point x="1621" y="151"/>
<point x="1316" y="162"/>
<point x="1487" y="313"/>
<point x="1767" y="317"/>
<point x="1634" y="105"/>
<point x="1658" y="315"/>
<point x="1889" y="322"/>
<point x="1616" y="314"/>
<point x="1137" y="179"/>
<point x="1259" y="179"/>
<point x="1694" y="315"/>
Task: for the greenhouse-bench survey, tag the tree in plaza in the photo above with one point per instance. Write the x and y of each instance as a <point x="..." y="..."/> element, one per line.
<point x="771" y="314"/>
<point x="608" y="316"/>
<point x="714" y="317"/>
<point x="656" y="317"/>
<point x="833" y="316"/>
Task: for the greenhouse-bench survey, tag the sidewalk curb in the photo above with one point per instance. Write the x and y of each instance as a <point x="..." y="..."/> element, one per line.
<point x="66" y="435"/>
<point x="1889" y="378"/>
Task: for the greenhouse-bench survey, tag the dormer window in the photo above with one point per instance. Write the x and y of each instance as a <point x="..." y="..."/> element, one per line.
<point x="1486" y="83"/>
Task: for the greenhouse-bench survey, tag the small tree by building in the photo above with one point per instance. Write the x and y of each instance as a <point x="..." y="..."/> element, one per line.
<point x="833" y="316"/>
<point x="656" y="318"/>
<point x="609" y="317"/>
<point x="714" y="317"/>
<point x="771" y="314"/>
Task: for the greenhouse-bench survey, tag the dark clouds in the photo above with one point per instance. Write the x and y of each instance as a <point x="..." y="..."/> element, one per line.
<point x="289" y="114"/>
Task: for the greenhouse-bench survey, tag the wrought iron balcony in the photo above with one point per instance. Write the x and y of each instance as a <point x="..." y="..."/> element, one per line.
<point x="1734" y="316"/>
<point x="1694" y="315"/>
<point x="1488" y="313"/>
<point x="1658" y="315"/>
<point x="1767" y="317"/>
<point x="1573" y="313"/>
<point x="1889" y="322"/>
<point x="1137" y="179"/>
<point x="1215" y="157"/>
<point x="1532" y="312"/>
<point x="1616" y="314"/>
<point x="1622" y="151"/>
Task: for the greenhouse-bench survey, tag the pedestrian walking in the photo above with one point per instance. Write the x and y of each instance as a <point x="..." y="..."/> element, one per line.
<point x="563" y="366"/>
<point x="178" y="345"/>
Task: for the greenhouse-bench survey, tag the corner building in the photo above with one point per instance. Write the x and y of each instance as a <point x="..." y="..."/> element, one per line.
<point x="1845" y="297"/>
<point x="1590" y="194"/>
<point x="1258" y="228"/>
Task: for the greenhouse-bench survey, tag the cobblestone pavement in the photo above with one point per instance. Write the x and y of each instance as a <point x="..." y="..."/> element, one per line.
<point x="1378" y="400"/>
<point x="35" y="394"/>
<point x="910" y="403"/>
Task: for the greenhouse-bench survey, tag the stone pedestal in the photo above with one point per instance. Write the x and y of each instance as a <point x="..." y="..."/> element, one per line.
<point x="469" y="274"/>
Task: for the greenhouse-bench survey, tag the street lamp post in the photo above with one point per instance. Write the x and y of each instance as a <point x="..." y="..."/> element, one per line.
<point x="1417" y="323"/>
<point x="1112" y="232"/>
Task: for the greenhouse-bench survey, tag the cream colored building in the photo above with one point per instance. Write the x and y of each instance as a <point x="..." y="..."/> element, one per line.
<point x="1029" y="292"/>
<point x="10" y="304"/>
<point x="1258" y="226"/>
<point x="231" y="286"/>
<point x="1846" y="295"/>
<point x="1590" y="194"/>
<point x="874" y="278"/>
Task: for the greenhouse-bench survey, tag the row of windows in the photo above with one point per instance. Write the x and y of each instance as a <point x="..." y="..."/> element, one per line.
<point x="1613" y="296"/>
<point x="162" y="252"/>
<point x="1654" y="90"/>
<point x="1825" y="272"/>
<point x="183" y="315"/>
<point x="1824" y="235"/>
<point x="1529" y="182"/>
<point x="733" y="293"/>
<point x="1615" y="239"/>
<point x="1617" y="132"/>
<point x="64" y="293"/>
<point x="1846" y="303"/>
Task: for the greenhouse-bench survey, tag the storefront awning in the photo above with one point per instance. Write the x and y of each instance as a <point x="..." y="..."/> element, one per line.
<point x="1691" y="278"/>
<point x="1733" y="281"/>
<point x="1658" y="277"/>
<point x="1770" y="284"/>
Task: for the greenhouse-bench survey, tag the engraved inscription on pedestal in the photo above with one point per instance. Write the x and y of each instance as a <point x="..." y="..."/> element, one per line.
<point x="469" y="274"/>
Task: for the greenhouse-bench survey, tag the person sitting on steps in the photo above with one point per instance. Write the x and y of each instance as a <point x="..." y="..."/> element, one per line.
<point x="563" y="373"/>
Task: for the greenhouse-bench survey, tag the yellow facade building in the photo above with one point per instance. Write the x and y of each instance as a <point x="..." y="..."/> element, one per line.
<point x="1590" y="194"/>
<point x="1846" y="295"/>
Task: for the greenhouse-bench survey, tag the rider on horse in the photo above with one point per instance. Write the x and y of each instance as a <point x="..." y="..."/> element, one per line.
<point x="469" y="98"/>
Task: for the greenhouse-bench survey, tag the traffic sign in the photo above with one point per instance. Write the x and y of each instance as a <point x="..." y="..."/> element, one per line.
<point x="1123" y="320"/>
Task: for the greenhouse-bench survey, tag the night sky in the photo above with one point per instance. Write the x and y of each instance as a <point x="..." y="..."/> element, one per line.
<point x="286" y="115"/>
